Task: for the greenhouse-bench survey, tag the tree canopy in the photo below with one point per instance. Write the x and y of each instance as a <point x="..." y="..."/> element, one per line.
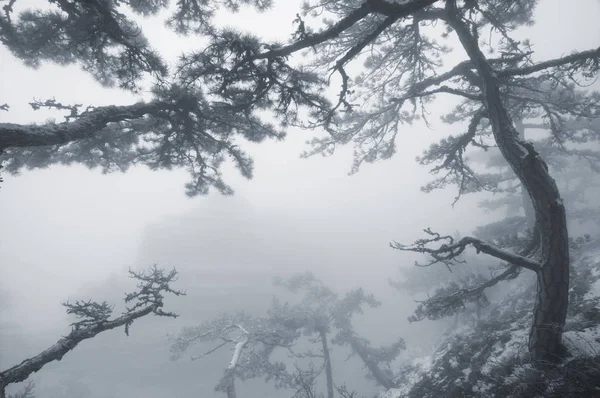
<point x="237" y="85"/>
<point x="224" y="90"/>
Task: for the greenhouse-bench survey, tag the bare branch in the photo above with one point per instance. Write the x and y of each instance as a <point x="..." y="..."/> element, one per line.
<point x="448" y="253"/>
<point x="206" y="353"/>
<point x="442" y="89"/>
<point x="453" y="298"/>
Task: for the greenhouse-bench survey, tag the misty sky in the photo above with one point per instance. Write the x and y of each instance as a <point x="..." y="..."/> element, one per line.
<point x="64" y="228"/>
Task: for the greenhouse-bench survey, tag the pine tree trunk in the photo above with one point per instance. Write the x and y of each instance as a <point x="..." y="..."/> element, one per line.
<point x="527" y="205"/>
<point x="550" y="309"/>
<point x="327" y="358"/>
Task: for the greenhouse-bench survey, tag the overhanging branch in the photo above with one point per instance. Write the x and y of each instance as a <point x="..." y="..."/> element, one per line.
<point x="391" y="10"/>
<point x="87" y="125"/>
<point x="582" y="56"/>
<point x="449" y="252"/>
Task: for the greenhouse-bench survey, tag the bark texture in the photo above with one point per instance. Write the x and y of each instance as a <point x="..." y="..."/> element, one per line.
<point x="21" y="136"/>
<point x="527" y="205"/>
<point x="553" y="278"/>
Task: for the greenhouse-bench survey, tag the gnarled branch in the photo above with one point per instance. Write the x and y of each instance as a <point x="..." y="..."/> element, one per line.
<point x="448" y="253"/>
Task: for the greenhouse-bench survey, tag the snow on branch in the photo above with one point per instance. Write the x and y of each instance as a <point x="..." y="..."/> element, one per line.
<point x="241" y="342"/>
<point x="95" y="318"/>
<point x="449" y="251"/>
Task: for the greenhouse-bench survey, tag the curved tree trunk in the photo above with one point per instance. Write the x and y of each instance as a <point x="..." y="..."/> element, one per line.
<point x="553" y="279"/>
<point x="527" y="205"/>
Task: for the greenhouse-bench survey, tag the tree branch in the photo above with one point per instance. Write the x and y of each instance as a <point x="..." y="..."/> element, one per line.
<point x="55" y="352"/>
<point x="449" y="252"/>
<point x="239" y="346"/>
<point x="157" y="283"/>
<point x="582" y="56"/>
<point x="463" y="67"/>
<point x="442" y="89"/>
<point x="452" y="299"/>
<point x="19" y="136"/>
<point x="395" y="11"/>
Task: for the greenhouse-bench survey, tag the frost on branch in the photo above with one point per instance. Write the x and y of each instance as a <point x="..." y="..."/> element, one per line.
<point x="94" y="318"/>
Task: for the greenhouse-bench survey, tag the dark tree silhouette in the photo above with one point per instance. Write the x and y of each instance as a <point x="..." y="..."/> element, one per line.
<point x="235" y="85"/>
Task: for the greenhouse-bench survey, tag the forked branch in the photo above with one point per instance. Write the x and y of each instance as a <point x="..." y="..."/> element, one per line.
<point x="449" y="251"/>
<point x="454" y="297"/>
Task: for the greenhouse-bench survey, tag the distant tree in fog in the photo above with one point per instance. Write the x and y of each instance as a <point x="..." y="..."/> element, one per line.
<point x="94" y="318"/>
<point x="319" y="317"/>
<point x="238" y="86"/>
<point x="26" y="392"/>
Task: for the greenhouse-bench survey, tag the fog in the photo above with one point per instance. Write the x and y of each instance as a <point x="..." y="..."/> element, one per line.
<point x="71" y="233"/>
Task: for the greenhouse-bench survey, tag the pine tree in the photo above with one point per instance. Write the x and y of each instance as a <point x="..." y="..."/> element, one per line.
<point x="238" y="84"/>
<point x="305" y="329"/>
